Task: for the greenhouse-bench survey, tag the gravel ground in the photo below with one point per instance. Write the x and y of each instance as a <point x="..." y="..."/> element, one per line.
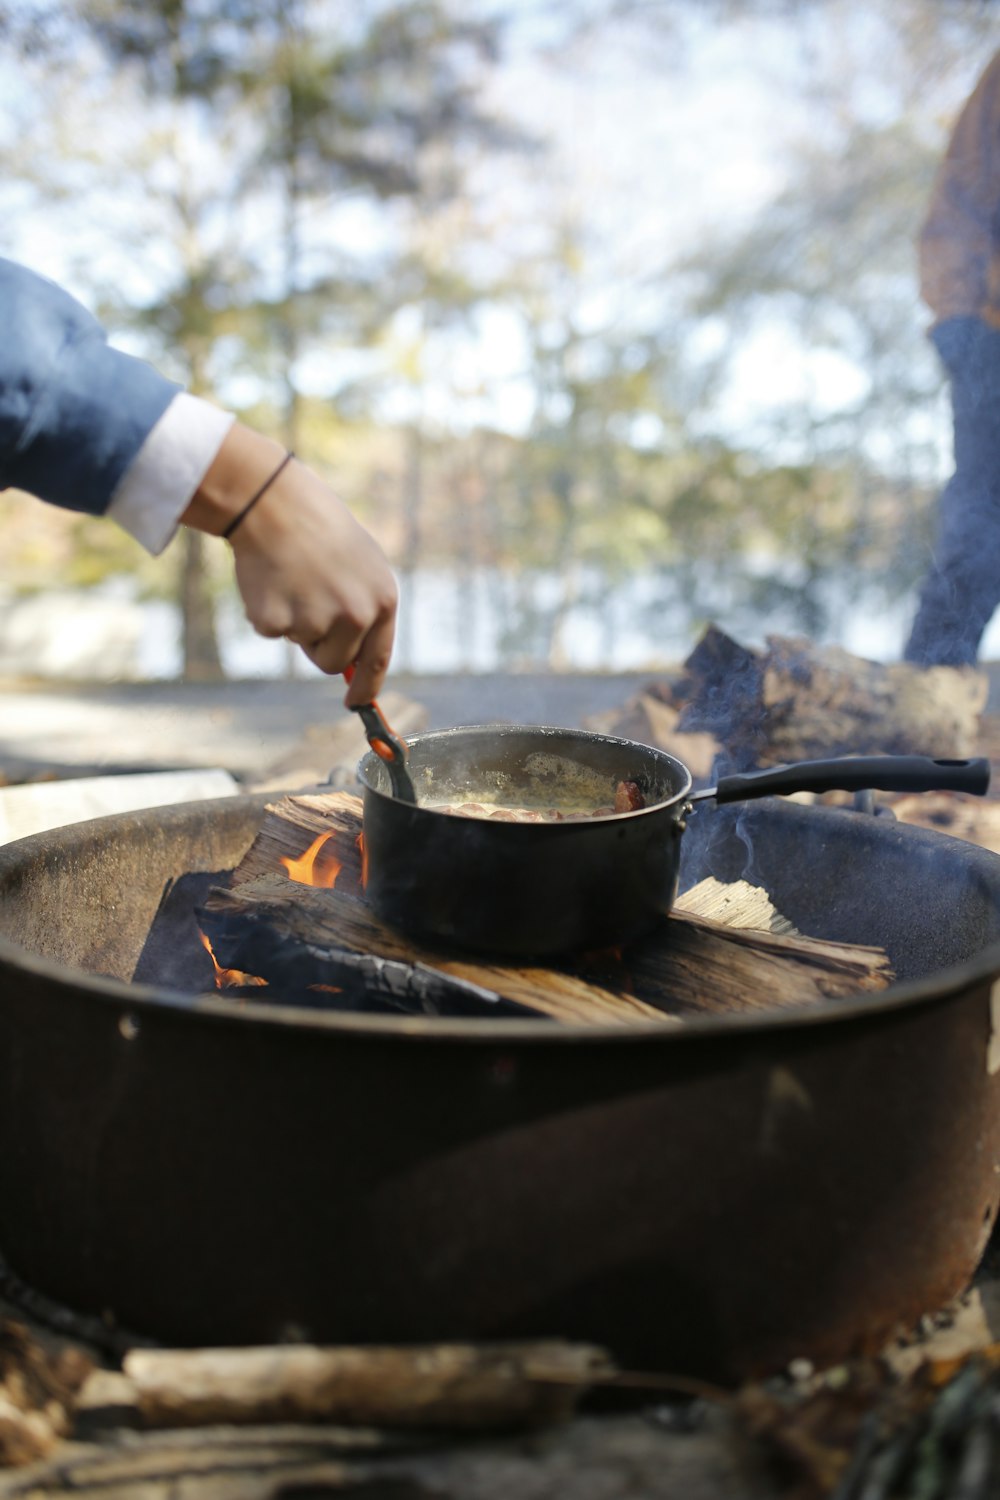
<point x="246" y="726"/>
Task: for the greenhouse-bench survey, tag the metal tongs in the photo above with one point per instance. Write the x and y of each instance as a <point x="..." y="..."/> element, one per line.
<point x="387" y="744"/>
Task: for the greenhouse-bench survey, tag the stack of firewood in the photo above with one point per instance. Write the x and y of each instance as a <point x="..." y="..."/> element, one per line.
<point x="795" y="700"/>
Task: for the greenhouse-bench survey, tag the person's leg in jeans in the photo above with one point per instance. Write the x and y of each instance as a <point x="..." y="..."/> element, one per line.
<point x="962" y="589"/>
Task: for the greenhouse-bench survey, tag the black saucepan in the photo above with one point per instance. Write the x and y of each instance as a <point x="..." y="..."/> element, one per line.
<point x="535" y="890"/>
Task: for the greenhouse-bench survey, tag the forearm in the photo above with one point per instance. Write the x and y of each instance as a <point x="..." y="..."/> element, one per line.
<point x="243" y="462"/>
<point x="306" y="569"/>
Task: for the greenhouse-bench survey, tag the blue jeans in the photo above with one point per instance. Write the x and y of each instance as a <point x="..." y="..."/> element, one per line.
<point x="962" y="588"/>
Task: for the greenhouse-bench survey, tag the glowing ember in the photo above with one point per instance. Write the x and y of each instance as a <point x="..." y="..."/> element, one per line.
<point x="226" y="979"/>
<point x="304" y="868"/>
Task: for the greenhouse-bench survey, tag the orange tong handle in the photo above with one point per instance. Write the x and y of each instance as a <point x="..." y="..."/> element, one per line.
<point x="387" y="745"/>
<point x="384" y="748"/>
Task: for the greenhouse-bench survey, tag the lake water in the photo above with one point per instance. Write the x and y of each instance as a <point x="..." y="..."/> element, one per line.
<point x="486" y="621"/>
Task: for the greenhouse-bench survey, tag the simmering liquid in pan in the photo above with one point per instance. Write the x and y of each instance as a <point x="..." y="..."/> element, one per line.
<point x="628" y="797"/>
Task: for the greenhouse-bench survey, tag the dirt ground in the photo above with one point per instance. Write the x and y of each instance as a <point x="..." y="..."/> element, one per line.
<point x="245" y="727"/>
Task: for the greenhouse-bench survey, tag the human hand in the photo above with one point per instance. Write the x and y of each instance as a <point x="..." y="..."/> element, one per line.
<point x="305" y="568"/>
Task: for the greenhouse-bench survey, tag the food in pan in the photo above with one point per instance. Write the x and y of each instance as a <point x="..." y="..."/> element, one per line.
<point x="628" y="798"/>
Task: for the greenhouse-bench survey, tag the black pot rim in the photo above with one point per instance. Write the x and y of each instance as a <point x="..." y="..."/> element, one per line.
<point x="370" y="762"/>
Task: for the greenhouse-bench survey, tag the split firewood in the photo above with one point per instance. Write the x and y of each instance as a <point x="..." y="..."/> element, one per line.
<point x="734" y="903"/>
<point x="327" y="823"/>
<point x="711" y="968"/>
<point x="450" y="1386"/>
<point x="699" y="960"/>
<point x="220" y="1463"/>
<point x="796" y="700"/>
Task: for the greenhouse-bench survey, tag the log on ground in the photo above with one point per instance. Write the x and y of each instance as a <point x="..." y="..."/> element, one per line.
<point x="453" y="1386"/>
<point x="796" y="700"/>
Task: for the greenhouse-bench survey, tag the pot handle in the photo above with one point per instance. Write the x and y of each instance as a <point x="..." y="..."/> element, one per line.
<point x="883" y="773"/>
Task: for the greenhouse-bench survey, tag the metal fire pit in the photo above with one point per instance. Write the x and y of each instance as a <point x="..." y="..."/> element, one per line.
<point x="714" y="1198"/>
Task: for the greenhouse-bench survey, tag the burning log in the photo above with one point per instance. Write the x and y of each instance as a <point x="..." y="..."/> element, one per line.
<point x="798" y="701"/>
<point x="298" y="936"/>
<point x="315" y="837"/>
<point x="450" y="1386"/>
<point x="174" y="953"/>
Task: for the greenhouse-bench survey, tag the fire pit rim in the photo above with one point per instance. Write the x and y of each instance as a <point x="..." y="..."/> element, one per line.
<point x="941" y="986"/>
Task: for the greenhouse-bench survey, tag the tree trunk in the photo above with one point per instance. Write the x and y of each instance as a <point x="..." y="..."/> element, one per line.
<point x="291" y="250"/>
<point x="202" y="662"/>
<point x="413" y="506"/>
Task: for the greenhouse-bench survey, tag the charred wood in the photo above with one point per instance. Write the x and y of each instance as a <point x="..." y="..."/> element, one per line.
<point x="289" y="933"/>
<point x="173" y="954"/>
<point x="301" y="943"/>
<point x="724" y="949"/>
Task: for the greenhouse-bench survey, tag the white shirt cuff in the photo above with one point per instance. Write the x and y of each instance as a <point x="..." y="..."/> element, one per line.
<point x="158" y="484"/>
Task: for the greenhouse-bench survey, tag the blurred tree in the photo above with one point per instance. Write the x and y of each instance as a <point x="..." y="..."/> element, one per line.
<point x="259" y="123"/>
<point x="785" y="340"/>
<point x="319" y="201"/>
<point x="820" y="288"/>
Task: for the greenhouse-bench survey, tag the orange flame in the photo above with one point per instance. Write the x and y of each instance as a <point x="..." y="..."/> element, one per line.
<point x="363" y="851"/>
<point x="304" y="869"/>
<point x="226" y="979"/>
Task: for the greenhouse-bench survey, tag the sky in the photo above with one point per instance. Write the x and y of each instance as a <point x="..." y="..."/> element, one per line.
<point x="659" y="143"/>
<point x="657" y="150"/>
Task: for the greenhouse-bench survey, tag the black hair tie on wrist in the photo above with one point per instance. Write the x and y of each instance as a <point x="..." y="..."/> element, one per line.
<point x="241" y="515"/>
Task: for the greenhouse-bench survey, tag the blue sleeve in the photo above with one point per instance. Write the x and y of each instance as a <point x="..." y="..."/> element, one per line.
<point x="73" y="411"/>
